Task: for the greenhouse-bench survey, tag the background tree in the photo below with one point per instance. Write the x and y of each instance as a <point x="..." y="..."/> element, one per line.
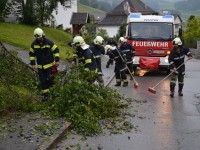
<point x="4" y="9"/>
<point x="192" y="32"/>
<point x="35" y="12"/>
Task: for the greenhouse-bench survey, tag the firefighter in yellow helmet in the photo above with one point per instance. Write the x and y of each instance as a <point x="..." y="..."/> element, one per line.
<point x="97" y="49"/>
<point x="127" y="49"/>
<point x="85" y="56"/>
<point x="120" y="64"/>
<point x="44" y="57"/>
<point x="176" y="58"/>
<point x="112" y="43"/>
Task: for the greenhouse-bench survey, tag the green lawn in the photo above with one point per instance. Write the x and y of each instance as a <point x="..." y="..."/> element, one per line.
<point x="83" y="8"/>
<point x="22" y="36"/>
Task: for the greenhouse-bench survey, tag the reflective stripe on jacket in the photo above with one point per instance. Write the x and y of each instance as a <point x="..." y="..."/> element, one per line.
<point x="45" y="54"/>
<point x="177" y="58"/>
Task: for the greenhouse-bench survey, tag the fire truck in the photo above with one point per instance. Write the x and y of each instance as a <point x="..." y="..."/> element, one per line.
<point x="151" y="36"/>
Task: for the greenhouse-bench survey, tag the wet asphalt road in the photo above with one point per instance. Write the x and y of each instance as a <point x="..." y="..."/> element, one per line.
<point x="165" y="123"/>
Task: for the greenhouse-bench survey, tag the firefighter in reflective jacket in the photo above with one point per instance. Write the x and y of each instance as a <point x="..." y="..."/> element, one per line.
<point x="112" y="43"/>
<point x="46" y="54"/>
<point x="176" y="58"/>
<point x="120" y="64"/>
<point x="127" y="49"/>
<point x="85" y="56"/>
<point x="98" y="50"/>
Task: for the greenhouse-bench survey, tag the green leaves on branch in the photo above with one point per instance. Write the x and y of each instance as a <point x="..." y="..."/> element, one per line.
<point x="82" y="103"/>
<point x="17" y="85"/>
<point x="192" y="32"/>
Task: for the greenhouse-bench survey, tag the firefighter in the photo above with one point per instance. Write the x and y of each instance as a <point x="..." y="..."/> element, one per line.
<point x="98" y="50"/>
<point x="120" y="65"/>
<point x="85" y="56"/>
<point x="176" y="58"/>
<point x="127" y="49"/>
<point x="44" y="57"/>
<point x="112" y="43"/>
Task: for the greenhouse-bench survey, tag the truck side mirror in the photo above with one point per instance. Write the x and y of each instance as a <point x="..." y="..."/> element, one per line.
<point x="180" y="32"/>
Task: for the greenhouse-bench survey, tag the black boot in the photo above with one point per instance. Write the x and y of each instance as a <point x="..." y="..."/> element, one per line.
<point x="180" y="93"/>
<point x="172" y="90"/>
<point x="118" y="84"/>
<point x="180" y="88"/>
<point x="125" y="84"/>
<point x="171" y="93"/>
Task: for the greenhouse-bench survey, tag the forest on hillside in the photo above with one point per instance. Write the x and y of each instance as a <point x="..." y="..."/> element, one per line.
<point x="106" y="5"/>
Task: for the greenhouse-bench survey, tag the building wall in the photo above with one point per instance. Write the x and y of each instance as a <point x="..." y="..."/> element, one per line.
<point x="63" y="15"/>
<point x="177" y="26"/>
<point x="111" y="30"/>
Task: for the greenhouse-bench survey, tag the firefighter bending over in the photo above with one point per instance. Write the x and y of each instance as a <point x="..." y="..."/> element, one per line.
<point x="98" y="50"/>
<point x="84" y="56"/>
<point x="120" y="65"/>
<point x="127" y="49"/>
<point x="112" y="43"/>
<point x="46" y="53"/>
<point x="176" y="58"/>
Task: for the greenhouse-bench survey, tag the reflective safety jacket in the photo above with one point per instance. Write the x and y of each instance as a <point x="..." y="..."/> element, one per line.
<point x="120" y="65"/>
<point x="128" y="49"/>
<point x="86" y="57"/>
<point x="176" y="58"/>
<point x="98" y="50"/>
<point x="46" y="54"/>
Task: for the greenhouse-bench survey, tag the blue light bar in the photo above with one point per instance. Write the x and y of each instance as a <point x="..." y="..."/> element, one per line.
<point x="168" y="16"/>
<point x="135" y="16"/>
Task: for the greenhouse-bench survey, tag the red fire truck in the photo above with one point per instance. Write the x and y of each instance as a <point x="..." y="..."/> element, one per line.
<point x="151" y="36"/>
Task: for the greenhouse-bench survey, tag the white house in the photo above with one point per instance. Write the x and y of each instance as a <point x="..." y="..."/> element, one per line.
<point x="118" y="16"/>
<point x="62" y="15"/>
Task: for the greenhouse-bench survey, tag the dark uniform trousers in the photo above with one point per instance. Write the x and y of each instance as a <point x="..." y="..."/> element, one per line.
<point x="176" y="58"/>
<point x="45" y="54"/>
<point x="130" y="53"/>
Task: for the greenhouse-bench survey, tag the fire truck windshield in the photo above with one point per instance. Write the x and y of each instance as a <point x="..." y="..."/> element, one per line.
<point x="151" y="31"/>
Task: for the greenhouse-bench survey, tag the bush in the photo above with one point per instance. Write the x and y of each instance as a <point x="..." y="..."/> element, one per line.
<point x="82" y="103"/>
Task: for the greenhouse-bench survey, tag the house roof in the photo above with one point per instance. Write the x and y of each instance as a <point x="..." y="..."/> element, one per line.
<point x="119" y="14"/>
<point x="80" y="18"/>
<point x="139" y="6"/>
<point x="98" y="16"/>
<point x="113" y="20"/>
<point x="177" y="16"/>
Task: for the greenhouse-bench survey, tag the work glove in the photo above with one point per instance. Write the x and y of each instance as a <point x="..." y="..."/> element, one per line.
<point x="174" y="69"/>
<point x="54" y="70"/>
<point x="34" y="68"/>
<point x="56" y="63"/>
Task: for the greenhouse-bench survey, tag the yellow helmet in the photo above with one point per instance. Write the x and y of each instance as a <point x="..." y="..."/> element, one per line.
<point x="108" y="47"/>
<point x="177" y="41"/>
<point x="98" y="40"/>
<point x="122" y="39"/>
<point x="78" y="41"/>
<point x="38" y="33"/>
